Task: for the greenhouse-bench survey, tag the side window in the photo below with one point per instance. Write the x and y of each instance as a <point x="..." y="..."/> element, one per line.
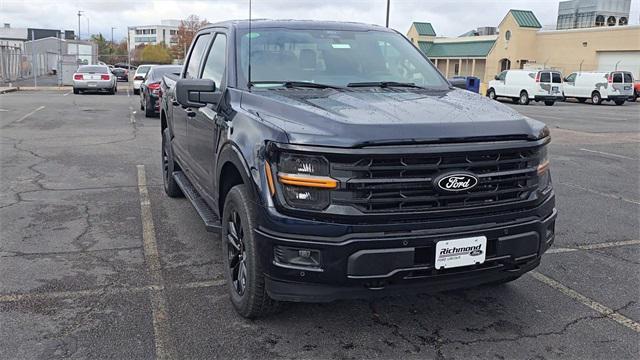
<point x="571" y="78"/>
<point x="196" y="55"/>
<point x="545" y="77"/>
<point x="502" y="76"/>
<point x="216" y="60"/>
<point x="617" y="77"/>
<point x="557" y="79"/>
<point x="628" y="78"/>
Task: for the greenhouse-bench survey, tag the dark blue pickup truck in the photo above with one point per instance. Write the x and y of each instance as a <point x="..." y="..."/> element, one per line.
<point x="336" y="162"/>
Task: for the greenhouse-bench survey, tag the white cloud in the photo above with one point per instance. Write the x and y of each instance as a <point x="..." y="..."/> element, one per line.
<point x="449" y="18"/>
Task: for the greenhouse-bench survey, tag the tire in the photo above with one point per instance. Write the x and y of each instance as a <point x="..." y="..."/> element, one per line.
<point x="141" y="103"/>
<point x="524" y="98"/>
<point x="148" y="111"/>
<point x="491" y="94"/>
<point x="76" y="91"/>
<point x="582" y="100"/>
<point x="169" y="165"/>
<point x="619" y="102"/>
<point x="596" y="99"/>
<point x="242" y="267"/>
<point x="549" y="102"/>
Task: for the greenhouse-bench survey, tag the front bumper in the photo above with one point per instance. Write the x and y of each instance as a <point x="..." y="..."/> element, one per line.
<point x="383" y="261"/>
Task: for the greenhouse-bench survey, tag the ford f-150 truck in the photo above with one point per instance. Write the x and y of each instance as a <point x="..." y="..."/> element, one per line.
<point x="336" y="162"/>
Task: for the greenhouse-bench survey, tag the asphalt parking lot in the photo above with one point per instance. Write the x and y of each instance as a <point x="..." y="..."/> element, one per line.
<point x="96" y="262"/>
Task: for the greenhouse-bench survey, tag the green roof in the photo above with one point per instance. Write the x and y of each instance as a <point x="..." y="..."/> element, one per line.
<point x="424" y="29"/>
<point x="526" y="18"/>
<point x="425" y="46"/>
<point x="459" y="49"/>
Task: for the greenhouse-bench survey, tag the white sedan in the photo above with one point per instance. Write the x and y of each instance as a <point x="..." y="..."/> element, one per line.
<point x="94" y="78"/>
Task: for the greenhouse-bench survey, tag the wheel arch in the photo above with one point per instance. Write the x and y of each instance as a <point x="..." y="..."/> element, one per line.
<point x="232" y="169"/>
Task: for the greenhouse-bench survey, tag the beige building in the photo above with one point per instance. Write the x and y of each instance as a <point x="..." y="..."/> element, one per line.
<point x="521" y="43"/>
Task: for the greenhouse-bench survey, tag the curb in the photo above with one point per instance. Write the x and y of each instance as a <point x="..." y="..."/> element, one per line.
<point x="7" y="90"/>
<point x="43" y="88"/>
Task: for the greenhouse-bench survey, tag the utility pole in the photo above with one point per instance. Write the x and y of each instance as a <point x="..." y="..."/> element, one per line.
<point x="33" y="59"/>
<point x="112" y="34"/>
<point x="388" y="6"/>
<point x="78" y="40"/>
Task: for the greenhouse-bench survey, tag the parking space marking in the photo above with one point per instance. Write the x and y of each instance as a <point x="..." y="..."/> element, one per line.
<point x="162" y="337"/>
<point x="608" y="154"/>
<point x="597" y="246"/>
<point x="67" y="93"/>
<point x="29" y="114"/>
<point x="74" y="294"/>
<point x="596" y="306"/>
<point x="617" y="197"/>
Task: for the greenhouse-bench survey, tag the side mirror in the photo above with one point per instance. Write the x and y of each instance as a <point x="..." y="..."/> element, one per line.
<point x="196" y="93"/>
<point x="496" y="77"/>
<point x="459" y="83"/>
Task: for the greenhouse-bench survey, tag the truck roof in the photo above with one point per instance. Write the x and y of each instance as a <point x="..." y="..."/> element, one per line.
<point x="299" y="24"/>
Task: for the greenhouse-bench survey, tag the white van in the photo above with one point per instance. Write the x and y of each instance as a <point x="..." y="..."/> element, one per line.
<point x="525" y="85"/>
<point x="616" y="86"/>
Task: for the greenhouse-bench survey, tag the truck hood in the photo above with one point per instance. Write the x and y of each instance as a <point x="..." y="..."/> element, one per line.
<point x="366" y="117"/>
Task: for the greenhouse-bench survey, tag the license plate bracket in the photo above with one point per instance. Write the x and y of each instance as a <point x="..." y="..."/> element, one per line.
<point x="460" y="252"/>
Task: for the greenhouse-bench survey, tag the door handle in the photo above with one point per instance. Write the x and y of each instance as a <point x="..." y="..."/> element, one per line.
<point x="190" y="113"/>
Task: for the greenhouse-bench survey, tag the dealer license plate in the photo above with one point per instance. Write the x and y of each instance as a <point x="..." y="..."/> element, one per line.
<point x="627" y="87"/>
<point x="460" y="252"/>
<point x="555" y="89"/>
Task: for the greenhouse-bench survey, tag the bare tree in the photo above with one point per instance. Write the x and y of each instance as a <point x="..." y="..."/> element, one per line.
<point x="187" y="30"/>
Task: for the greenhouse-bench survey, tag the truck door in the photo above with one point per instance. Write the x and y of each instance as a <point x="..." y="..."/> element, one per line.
<point x="203" y="129"/>
<point x="570" y="85"/>
<point x="181" y="113"/>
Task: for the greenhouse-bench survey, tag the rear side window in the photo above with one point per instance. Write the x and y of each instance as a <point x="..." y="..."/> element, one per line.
<point x="617" y="77"/>
<point x="196" y="55"/>
<point x="545" y="77"/>
<point x="215" y="64"/>
<point x="557" y="79"/>
<point x="628" y="78"/>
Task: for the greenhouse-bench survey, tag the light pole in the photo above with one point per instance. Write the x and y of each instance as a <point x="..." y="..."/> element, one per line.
<point x="112" y="28"/>
<point x="78" y="40"/>
<point x="388" y="6"/>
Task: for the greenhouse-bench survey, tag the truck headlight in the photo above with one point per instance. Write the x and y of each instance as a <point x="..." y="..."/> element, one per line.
<point x="544" y="175"/>
<point x="305" y="181"/>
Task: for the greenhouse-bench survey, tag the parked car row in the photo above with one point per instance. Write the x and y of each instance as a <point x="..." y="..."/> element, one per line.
<point x="522" y="86"/>
<point x="151" y="89"/>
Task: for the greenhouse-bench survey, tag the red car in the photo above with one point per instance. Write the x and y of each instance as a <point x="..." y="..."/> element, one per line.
<point x="636" y="91"/>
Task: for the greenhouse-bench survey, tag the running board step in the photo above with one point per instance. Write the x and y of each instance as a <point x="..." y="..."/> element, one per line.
<point x="211" y="220"/>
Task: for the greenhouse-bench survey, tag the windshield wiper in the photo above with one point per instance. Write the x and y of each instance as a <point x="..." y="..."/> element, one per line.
<point x="383" y="84"/>
<point x="290" y="84"/>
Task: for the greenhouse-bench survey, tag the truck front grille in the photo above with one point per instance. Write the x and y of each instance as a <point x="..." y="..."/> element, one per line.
<point x="394" y="183"/>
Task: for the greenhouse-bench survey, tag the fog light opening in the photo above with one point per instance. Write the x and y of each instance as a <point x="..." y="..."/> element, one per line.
<point x="297" y="258"/>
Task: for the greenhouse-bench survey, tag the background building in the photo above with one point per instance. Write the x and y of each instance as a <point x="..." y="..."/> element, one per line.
<point x="575" y="14"/>
<point x="522" y="44"/>
<point x="154" y="34"/>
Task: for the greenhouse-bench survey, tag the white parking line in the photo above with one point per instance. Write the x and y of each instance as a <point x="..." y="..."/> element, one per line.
<point x="163" y="343"/>
<point x="608" y="154"/>
<point x="31" y="113"/>
<point x="596" y="306"/>
<point x="67" y="93"/>
<point x="594" y="246"/>
<point x="617" y="197"/>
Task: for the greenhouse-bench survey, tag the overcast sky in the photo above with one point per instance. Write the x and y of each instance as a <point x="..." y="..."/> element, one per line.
<point x="449" y="17"/>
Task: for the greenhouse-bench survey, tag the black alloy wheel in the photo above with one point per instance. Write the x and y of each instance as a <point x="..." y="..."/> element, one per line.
<point x="236" y="253"/>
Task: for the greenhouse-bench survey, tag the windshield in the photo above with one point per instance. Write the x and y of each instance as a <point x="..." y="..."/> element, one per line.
<point x="335" y="58"/>
<point x="143" y="69"/>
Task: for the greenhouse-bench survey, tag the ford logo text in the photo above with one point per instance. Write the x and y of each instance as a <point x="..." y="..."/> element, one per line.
<point x="457" y="182"/>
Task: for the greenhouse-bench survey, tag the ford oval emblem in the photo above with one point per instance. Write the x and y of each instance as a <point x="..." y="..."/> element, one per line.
<point x="475" y="252"/>
<point x="457" y="182"/>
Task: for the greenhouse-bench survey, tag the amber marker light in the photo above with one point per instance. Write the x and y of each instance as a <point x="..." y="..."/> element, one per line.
<point x="267" y="170"/>
<point x="320" y="182"/>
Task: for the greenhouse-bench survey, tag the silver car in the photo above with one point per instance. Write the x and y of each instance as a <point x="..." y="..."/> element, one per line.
<point x="94" y="78"/>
